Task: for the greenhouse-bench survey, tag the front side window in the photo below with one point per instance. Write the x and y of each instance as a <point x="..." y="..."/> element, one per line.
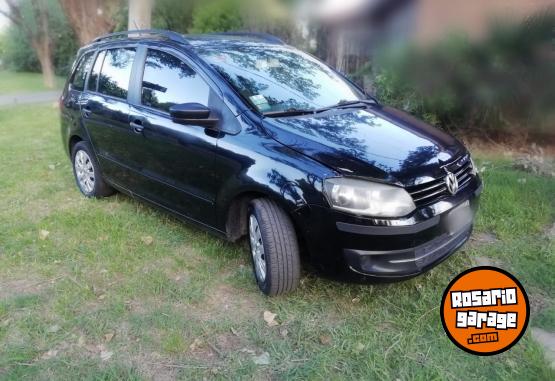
<point x="116" y="72"/>
<point x="277" y="78"/>
<point x="168" y="81"/>
<point x="78" y="80"/>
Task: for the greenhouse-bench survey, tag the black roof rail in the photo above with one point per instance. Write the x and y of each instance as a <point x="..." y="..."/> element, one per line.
<point x="265" y="37"/>
<point x="172" y="36"/>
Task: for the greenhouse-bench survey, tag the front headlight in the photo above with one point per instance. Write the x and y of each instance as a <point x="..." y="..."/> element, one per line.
<point x="367" y="198"/>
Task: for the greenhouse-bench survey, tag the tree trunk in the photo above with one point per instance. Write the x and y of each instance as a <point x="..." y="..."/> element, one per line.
<point x="44" y="54"/>
<point x="140" y="13"/>
<point x="38" y="35"/>
<point x="91" y="18"/>
<point x="42" y="43"/>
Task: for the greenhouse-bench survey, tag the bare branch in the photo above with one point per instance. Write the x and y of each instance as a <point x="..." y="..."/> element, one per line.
<point x="9" y="16"/>
<point x="14" y="12"/>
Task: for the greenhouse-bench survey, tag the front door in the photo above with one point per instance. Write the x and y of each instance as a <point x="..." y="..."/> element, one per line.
<point x="176" y="160"/>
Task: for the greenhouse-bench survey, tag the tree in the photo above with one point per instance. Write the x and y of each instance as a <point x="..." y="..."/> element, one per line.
<point x="37" y="29"/>
<point x="140" y="14"/>
<point x="91" y="18"/>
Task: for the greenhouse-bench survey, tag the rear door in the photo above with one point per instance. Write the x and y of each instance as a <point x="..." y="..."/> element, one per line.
<point x="105" y="111"/>
<point x="71" y="110"/>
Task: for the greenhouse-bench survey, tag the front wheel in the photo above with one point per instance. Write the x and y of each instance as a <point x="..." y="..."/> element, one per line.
<point x="274" y="248"/>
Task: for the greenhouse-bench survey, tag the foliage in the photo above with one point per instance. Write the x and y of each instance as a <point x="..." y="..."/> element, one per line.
<point x="174" y="15"/>
<point x="3" y="41"/>
<point x="498" y="84"/>
<point x="217" y="16"/>
<point x="18" y="54"/>
<point x="265" y="16"/>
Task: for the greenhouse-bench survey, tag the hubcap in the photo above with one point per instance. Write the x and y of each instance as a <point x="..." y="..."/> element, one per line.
<point x="84" y="171"/>
<point x="257" y="248"/>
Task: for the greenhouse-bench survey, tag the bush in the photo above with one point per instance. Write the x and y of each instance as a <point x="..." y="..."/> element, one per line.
<point x="217" y="16"/>
<point x="504" y="83"/>
<point x="266" y="16"/>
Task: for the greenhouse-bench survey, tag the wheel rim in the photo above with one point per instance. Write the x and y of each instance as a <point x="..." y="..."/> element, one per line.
<point x="84" y="171"/>
<point x="257" y="248"/>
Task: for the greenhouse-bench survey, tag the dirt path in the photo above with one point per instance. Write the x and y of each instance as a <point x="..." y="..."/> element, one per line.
<point x="27" y="98"/>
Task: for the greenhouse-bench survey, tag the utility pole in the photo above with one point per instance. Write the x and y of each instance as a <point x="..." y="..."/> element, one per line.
<point x="140" y="14"/>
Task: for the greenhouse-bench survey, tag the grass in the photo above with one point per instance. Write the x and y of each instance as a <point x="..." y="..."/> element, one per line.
<point x="186" y="306"/>
<point x="15" y="82"/>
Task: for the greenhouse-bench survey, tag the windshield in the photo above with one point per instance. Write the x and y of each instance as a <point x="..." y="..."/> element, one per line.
<point x="278" y="78"/>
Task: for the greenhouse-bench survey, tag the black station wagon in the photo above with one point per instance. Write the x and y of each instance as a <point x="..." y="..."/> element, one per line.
<point x="242" y="134"/>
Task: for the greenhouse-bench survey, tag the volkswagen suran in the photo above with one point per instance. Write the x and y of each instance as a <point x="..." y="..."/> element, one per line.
<point x="244" y="135"/>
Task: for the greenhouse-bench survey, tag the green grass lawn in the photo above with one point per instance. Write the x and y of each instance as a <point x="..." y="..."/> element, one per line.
<point x="95" y="299"/>
<point x="12" y="82"/>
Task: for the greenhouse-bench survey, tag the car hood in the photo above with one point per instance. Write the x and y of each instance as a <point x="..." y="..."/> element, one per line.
<point x="378" y="142"/>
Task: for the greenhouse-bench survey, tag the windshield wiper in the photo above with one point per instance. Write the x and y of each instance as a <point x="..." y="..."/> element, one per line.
<point x="290" y="112"/>
<point x="346" y="104"/>
<point x="339" y="105"/>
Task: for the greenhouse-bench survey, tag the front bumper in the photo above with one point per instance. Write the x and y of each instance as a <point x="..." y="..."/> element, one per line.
<point x="393" y="249"/>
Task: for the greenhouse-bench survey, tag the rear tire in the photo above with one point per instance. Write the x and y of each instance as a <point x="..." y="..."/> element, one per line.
<point x="274" y="248"/>
<point x="87" y="172"/>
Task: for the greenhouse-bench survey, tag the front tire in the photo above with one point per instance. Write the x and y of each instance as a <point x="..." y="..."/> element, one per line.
<point x="87" y="172"/>
<point x="274" y="248"/>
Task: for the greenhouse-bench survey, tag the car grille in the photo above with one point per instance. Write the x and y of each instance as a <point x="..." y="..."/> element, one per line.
<point x="433" y="191"/>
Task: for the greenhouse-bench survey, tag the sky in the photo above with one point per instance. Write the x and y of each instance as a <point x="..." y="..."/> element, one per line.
<point x="4" y="22"/>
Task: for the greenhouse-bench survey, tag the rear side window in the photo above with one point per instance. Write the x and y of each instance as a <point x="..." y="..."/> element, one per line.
<point x="168" y="81"/>
<point x="93" y="78"/>
<point x="116" y="72"/>
<point x="80" y="75"/>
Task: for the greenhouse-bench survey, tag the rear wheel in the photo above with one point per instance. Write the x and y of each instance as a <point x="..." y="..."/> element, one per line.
<point x="87" y="172"/>
<point x="274" y="248"/>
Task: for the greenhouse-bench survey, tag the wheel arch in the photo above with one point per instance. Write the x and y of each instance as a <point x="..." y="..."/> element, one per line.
<point x="236" y="208"/>
<point x="73" y="140"/>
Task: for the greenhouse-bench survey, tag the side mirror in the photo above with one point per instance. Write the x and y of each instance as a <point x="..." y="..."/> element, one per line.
<point x="193" y="114"/>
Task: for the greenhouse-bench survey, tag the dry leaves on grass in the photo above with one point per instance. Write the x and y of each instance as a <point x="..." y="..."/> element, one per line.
<point x="359" y="347"/>
<point x="106" y="355"/>
<point x="195" y="344"/>
<point x="147" y="240"/>
<point x="53" y="329"/>
<point x="263" y="359"/>
<point x="43" y="234"/>
<point x="269" y="318"/>
<point x="325" y="339"/>
<point x="50" y="354"/>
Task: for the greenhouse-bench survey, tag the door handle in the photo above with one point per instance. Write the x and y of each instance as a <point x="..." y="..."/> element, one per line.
<point x="87" y="112"/>
<point x="137" y="126"/>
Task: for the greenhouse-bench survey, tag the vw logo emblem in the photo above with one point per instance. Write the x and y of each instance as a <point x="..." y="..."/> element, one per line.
<point x="452" y="183"/>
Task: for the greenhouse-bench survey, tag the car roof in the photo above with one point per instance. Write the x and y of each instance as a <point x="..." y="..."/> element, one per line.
<point x="188" y="40"/>
<point x="192" y="41"/>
